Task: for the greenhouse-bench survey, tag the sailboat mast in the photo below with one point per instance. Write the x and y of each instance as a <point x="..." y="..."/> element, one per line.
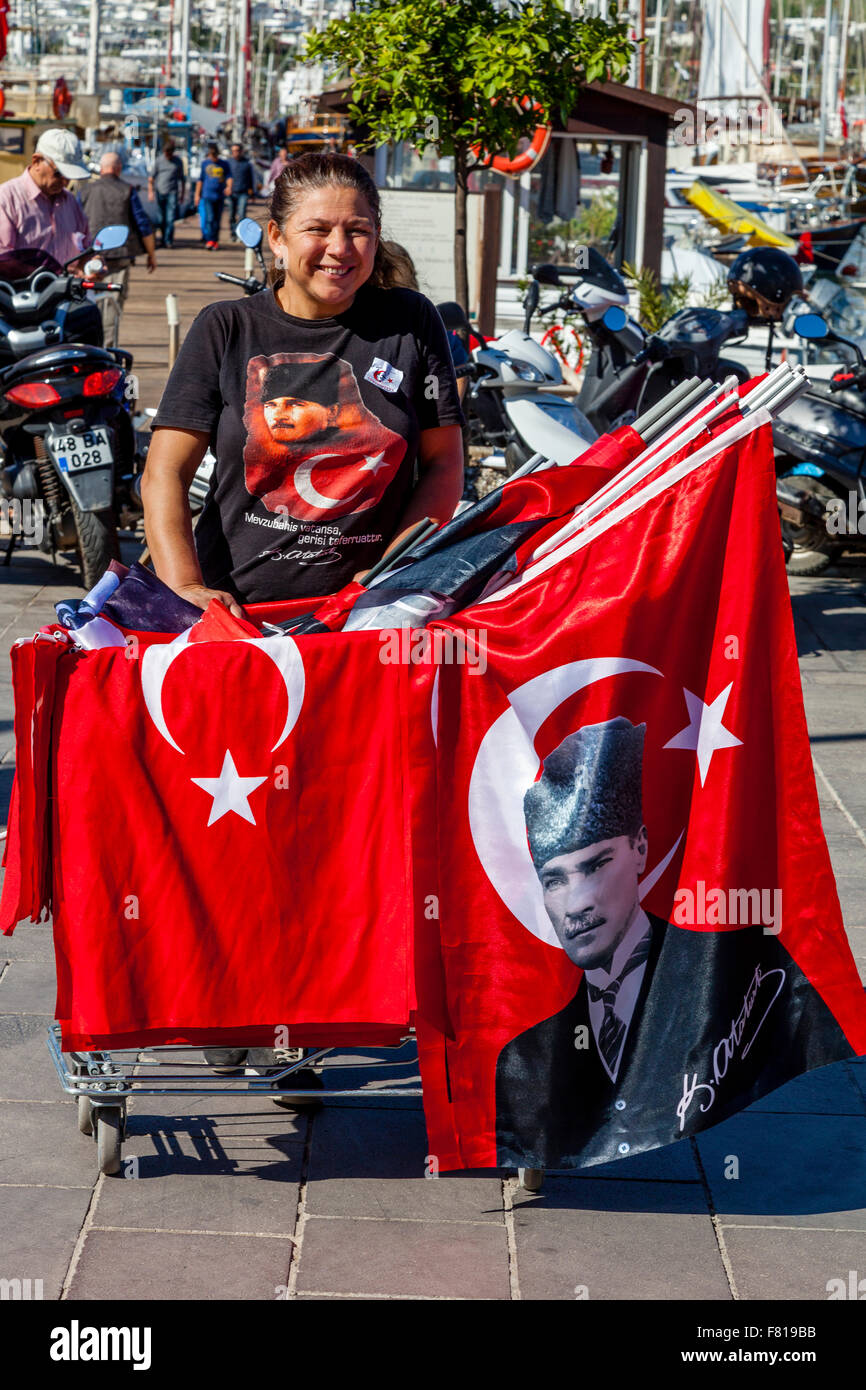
<point x="825" y="78"/>
<point x="657" y="39"/>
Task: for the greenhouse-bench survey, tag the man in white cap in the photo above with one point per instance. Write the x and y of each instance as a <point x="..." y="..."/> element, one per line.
<point x="37" y="211"/>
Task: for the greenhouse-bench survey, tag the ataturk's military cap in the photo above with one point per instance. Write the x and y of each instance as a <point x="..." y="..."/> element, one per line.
<point x="589" y="790"/>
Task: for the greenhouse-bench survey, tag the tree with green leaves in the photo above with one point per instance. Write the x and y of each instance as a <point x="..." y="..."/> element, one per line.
<point x="470" y="77"/>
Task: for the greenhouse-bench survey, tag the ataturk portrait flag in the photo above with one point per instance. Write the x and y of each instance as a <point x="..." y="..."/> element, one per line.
<point x="639" y="926"/>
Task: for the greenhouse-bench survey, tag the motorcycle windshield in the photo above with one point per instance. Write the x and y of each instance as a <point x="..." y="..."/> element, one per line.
<point x="17" y="267"/>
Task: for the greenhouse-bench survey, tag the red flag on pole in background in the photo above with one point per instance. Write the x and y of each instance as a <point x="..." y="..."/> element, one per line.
<point x="4" y="27"/>
<point x="640" y="932"/>
<point x="215" y="90"/>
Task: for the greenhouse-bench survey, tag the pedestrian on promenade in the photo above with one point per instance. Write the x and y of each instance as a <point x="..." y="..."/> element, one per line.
<point x="243" y="186"/>
<point x="37" y="211"/>
<point x="165" y="186"/>
<point x="109" y="201"/>
<point x="278" y="164"/>
<point x="213" y="187"/>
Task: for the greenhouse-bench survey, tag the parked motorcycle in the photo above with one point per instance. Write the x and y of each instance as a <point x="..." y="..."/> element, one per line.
<point x="67" y="440"/>
<point x="820" y="443"/>
<point x="630" y="370"/>
<point x="513" y="405"/>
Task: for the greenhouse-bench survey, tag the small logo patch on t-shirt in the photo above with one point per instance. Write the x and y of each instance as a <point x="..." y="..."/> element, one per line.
<point x="382" y="374"/>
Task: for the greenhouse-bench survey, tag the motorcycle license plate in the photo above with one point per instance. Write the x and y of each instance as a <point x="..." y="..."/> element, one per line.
<point x="74" y="452"/>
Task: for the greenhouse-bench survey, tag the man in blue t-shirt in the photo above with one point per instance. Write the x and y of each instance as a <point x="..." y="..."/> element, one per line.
<point x="243" y="186"/>
<point x="213" y="187"/>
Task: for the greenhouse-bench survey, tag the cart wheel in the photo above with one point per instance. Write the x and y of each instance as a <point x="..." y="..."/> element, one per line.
<point x="531" y="1179"/>
<point x="108" y="1127"/>
<point x="85" y="1115"/>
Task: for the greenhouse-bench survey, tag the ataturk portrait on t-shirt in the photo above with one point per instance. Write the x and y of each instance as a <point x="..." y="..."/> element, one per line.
<point x="313" y="449"/>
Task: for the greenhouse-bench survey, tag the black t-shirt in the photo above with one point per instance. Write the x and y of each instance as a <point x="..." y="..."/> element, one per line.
<point x="314" y="424"/>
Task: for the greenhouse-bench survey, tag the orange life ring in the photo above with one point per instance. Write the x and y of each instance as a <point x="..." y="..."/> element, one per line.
<point x="61" y="100"/>
<point x="527" y="159"/>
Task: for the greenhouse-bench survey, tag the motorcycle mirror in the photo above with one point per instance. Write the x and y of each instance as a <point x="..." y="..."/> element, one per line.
<point x="615" y="318"/>
<point x="110" y="238"/>
<point x="810" y="326"/>
<point x="249" y="232"/>
<point x="545" y="274"/>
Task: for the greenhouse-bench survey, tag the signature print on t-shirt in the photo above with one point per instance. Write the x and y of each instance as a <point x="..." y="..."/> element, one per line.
<point x="313" y="449"/>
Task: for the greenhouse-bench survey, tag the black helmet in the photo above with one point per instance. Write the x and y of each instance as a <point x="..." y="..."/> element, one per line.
<point x="762" y="281"/>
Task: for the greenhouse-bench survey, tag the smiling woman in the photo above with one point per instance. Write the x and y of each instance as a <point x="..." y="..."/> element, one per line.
<point x="330" y="403"/>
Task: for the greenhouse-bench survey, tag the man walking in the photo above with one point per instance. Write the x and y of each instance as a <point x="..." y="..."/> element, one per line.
<point x="213" y="187"/>
<point x="243" y="186"/>
<point x="165" y="186"/>
<point x="108" y="201"/>
<point x="37" y="211"/>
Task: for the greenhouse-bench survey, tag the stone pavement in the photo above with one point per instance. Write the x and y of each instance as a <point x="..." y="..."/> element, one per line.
<point x="237" y="1199"/>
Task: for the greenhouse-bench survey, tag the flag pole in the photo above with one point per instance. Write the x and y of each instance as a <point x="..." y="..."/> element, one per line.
<point x="665" y="404"/>
<point x="420" y="531"/>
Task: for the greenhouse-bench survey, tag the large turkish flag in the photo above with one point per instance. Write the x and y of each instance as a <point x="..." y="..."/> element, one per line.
<point x="228" y="836"/>
<point x="669" y="633"/>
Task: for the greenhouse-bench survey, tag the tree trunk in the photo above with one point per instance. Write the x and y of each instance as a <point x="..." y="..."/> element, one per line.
<point x="461" y="270"/>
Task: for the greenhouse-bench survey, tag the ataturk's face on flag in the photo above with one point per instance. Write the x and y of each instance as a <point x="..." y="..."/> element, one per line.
<point x="584" y="825"/>
<point x="289" y="418"/>
<point x="591" y="897"/>
<point x="314" y="450"/>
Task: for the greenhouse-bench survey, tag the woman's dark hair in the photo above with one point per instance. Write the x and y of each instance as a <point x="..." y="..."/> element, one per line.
<point x="399" y="269"/>
<point x="327" y="170"/>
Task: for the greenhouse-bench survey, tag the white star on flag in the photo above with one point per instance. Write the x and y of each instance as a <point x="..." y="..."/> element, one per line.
<point x="373" y="463"/>
<point x="230" y="792"/>
<point x="705" y="733"/>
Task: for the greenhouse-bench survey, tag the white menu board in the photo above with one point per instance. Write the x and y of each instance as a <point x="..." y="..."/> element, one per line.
<point x="424" y="224"/>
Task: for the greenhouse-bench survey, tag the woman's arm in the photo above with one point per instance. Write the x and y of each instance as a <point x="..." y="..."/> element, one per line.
<point x="440" y="483"/>
<point x="172" y="459"/>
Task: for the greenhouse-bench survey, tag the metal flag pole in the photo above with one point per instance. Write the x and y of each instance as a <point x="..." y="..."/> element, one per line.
<point x="657" y="427"/>
<point x="658" y="437"/>
<point x="420" y="531"/>
<point x="667" y="403"/>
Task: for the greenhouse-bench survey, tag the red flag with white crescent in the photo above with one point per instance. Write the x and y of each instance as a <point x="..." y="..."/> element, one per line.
<point x="227" y="896"/>
<point x="640" y="932"/>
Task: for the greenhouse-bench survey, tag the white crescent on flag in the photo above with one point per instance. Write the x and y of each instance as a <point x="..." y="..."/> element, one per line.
<point x="309" y="493"/>
<point x="506" y="766"/>
<point x="158" y="657"/>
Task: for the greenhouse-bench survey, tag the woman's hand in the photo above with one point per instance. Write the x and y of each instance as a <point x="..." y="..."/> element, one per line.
<point x="201" y="595"/>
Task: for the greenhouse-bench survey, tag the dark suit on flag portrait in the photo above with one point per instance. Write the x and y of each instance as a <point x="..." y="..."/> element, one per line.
<point x="557" y="1106"/>
<point x="670" y="1029"/>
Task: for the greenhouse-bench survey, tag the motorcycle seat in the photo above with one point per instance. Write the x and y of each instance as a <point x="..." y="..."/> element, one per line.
<point x="700" y="329"/>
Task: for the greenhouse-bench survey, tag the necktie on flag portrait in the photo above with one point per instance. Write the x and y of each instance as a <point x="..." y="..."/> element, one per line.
<point x="640" y="931"/>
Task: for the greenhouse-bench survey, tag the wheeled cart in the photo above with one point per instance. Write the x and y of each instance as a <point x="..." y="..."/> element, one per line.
<point x="103" y="1082"/>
